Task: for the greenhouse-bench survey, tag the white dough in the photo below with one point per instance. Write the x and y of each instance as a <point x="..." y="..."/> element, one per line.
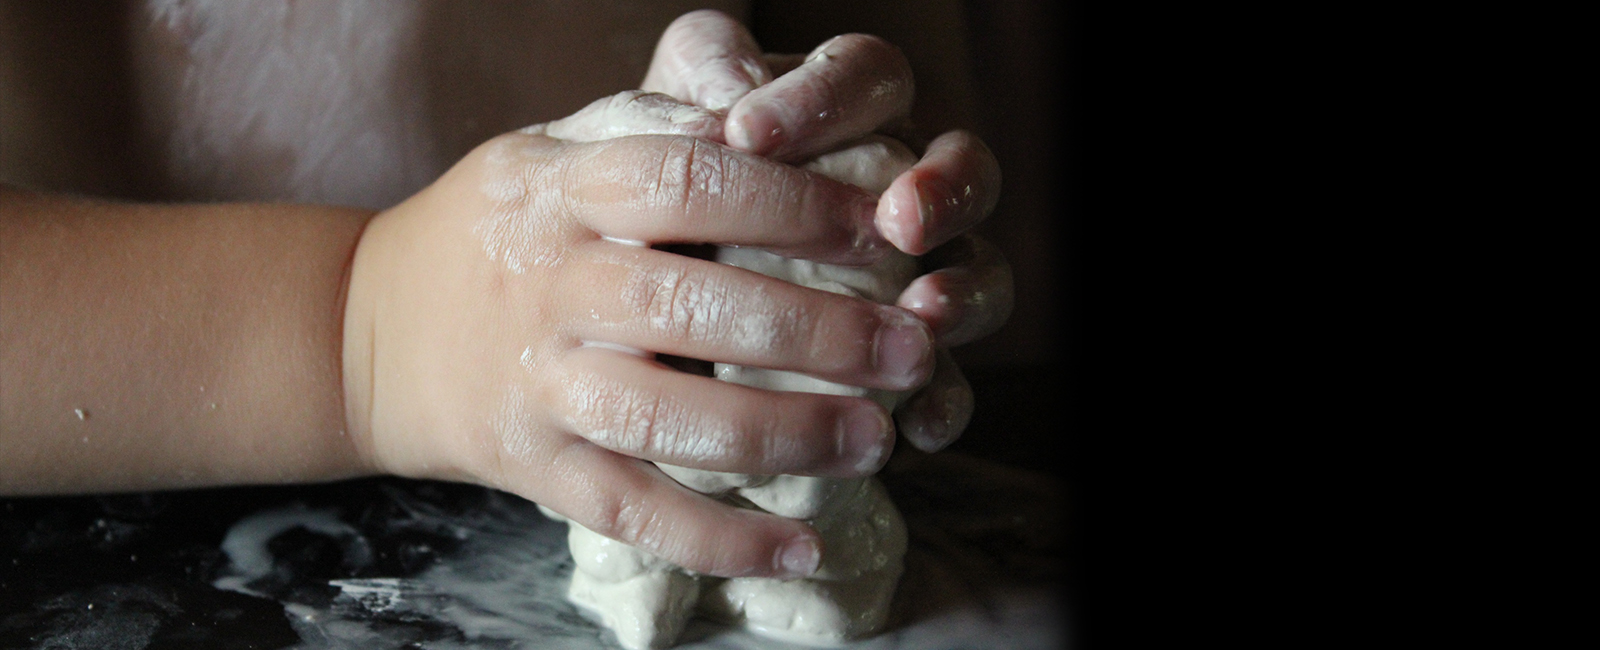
<point x="647" y="601"/>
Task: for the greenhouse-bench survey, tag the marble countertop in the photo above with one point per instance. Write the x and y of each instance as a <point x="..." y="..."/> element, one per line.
<point x="393" y="563"/>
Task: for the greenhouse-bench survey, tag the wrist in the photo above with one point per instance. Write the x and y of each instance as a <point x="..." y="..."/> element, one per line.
<point x="392" y="397"/>
<point x="358" y="306"/>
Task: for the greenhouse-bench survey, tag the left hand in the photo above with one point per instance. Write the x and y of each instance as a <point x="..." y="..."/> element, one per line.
<point x="793" y="107"/>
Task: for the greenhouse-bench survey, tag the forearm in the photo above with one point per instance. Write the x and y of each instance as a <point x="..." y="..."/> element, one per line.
<point x="159" y="346"/>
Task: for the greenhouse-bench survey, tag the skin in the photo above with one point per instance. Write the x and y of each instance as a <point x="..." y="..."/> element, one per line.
<point x="479" y="330"/>
<point x="788" y="107"/>
<point x="133" y="336"/>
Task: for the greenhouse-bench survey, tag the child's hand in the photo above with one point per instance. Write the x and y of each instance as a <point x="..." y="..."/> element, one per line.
<point x="792" y="107"/>
<point x="495" y="319"/>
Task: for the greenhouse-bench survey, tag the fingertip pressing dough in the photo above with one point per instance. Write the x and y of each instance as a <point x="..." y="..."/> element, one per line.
<point x="647" y="601"/>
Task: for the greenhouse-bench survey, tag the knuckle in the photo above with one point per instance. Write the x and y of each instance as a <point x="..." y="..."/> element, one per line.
<point x="618" y="417"/>
<point x="673" y="180"/>
<point x="630" y="517"/>
<point x="691" y="170"/>
<point x="520" y="177"/>
<point x="508" y="165"/>
<point x="669" y="300"/>
<point x="636" y="419"/>
<point x="689" y="304"/>
<point x="610" y="413"/>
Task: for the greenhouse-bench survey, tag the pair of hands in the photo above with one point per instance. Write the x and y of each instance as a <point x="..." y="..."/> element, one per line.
<point x="494" y="320"/>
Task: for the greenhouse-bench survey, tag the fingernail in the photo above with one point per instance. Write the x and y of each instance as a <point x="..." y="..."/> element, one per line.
<point x="923" y="433"/>
<point x="927" y="203"/>
<point x="755" y="132"/>
<point x="863" y="432"/>
<point x="933" y="301"/>
<point x="943" y="426"/>
<point x="799" y="558"/>
<point x="892" y="227"/>
<point x="869" y="239"/>
<point x="931" y="195"/>
<point x="903" y="350"/>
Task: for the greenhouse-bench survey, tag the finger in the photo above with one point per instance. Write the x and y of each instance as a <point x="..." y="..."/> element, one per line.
<point x="937" y="415"/>
<point x="633" y="112"/>
<point x="641" y="408"/>
<point x="694" y="308"/>
<point x="671" y="190"/>
<point x="952" y="188"/>
<point x="631" y="501"/>
<point x="708" y="59"/>
<point x="970" y="299"/>
<point x="845" y="89"/>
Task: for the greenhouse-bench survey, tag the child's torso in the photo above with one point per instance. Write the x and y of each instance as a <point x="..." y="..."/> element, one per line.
<point x="358" y="102"/>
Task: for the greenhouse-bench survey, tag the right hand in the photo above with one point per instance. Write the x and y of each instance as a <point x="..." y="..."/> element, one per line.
<point x="790" y="107"/>
<point x="499" y="326"/>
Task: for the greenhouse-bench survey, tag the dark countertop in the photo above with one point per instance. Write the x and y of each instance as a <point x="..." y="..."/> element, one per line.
<point x="394" y="563"/>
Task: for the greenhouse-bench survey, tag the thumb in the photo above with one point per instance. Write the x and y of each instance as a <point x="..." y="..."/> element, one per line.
<point x="708" y="59"/>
